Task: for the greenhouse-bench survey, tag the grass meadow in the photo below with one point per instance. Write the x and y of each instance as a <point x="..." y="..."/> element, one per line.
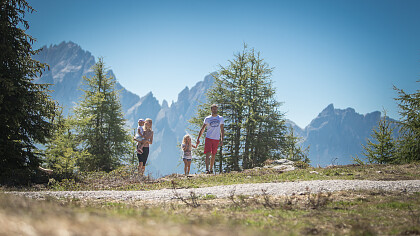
<point x="372" y="212"/>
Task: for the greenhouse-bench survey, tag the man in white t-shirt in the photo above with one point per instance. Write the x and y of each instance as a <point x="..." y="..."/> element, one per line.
<point x="214" y="136"/>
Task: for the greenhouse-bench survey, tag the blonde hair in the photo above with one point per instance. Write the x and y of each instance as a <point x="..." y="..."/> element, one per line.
<point x="187" y="141"/>
<point x="146" y="127"/>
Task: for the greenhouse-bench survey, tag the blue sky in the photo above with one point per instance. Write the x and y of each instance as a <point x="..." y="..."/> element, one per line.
<point x="349" y="53"/>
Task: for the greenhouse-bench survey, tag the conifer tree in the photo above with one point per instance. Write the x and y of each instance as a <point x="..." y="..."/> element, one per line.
<point x="264" y="124"/>
<point x="100" y="123"/>
<point x="409" y="140"/>
<point x="254" y="126"/>
<point x="381" y="148"/>
<point x="293" y="150"/>
<point x="26" y="108"/>
<point x="62" y="151"/>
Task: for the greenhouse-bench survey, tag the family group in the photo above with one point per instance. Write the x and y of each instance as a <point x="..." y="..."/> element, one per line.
<point x="214" y="138"/>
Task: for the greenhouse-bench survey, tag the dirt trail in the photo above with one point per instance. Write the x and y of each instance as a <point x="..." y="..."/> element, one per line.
<point x="275" y="189"/>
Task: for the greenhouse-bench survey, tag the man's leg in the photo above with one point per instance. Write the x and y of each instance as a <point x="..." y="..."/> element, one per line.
<point x="207" y="160"/>
<point x="213" y="159"/>
<point x="215" y="145"/>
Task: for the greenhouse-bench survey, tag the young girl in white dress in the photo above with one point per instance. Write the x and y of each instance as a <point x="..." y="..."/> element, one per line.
<point x="187" y="156"/>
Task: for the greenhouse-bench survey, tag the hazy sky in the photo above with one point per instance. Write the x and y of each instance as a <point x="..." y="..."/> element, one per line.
<point x="349" y="53"/>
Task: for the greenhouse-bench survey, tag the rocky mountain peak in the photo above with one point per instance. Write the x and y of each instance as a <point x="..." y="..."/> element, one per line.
<point x="336" y="135"/>
<point x="183" y="95"/>
<point x="165" y="104"/>
<point x="329" y="110"/>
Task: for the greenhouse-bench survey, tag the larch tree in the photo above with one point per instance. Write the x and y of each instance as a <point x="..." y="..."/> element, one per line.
<point x="409" y="140"/>
<point x="63" y="150"/>
<point x="100" y="123"/>
<point x="254" y="127"/>
<point x="381" y="147"/>
<point x="293" y="149"/>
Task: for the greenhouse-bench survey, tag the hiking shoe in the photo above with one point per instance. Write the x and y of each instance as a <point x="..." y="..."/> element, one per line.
<point x="207" y="172"/>
<point x="211" y="171"/>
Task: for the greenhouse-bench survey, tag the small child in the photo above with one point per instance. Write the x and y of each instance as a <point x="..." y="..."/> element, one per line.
<point x="187" y="157"/>
<point x="139" y="137"/>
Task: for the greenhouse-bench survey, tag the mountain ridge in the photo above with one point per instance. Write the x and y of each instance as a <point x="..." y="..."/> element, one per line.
<point x="337" y="135"/>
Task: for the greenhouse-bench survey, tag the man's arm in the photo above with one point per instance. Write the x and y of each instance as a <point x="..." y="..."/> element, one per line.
<point x="201" y="132"/>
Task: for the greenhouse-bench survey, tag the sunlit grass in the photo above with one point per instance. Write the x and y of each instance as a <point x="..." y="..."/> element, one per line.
<point x="341" y="213"/>
<point x="344" y="213"/>
<point x="126" y="179"/>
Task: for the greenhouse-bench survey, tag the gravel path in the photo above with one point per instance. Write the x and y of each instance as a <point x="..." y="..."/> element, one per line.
<point x="275" y="189"/>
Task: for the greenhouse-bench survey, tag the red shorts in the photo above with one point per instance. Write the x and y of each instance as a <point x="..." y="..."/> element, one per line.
<point x="211" y="145"/>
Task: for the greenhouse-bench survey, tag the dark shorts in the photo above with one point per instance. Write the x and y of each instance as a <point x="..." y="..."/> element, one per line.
<point x="143" y="157"/>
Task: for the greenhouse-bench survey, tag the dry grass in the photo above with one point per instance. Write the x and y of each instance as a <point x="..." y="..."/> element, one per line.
<point x="21" y="216"/>
<point x="340" y="213"/>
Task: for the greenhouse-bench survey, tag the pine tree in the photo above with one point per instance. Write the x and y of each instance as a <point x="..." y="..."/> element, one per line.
<point x="228" y="92"/>
<point x="100" y="123"/>
<point x="62" y="152"/>
<point x="293" y="150"/>
<point x="381" y="147"/>
<point x="409" y="140"/>
<point x="254" y="127"/>
<point x="26" y="108"/>
<point x="264" y="124"/>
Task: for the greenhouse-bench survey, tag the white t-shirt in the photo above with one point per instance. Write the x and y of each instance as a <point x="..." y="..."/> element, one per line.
<point x="213" y="126"/>
<point x="140" y="130"/>
<point x="139" y="134"/>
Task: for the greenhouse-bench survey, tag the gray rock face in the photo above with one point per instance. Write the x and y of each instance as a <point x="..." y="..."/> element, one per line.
<point x="68" y="64"/>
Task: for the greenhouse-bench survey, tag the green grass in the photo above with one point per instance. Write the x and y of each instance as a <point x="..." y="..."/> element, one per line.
<point x="208" y="197"/>
<point x="126" y="179"/>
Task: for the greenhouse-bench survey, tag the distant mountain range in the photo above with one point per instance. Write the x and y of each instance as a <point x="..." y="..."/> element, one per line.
<point x="334" y="135"/>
